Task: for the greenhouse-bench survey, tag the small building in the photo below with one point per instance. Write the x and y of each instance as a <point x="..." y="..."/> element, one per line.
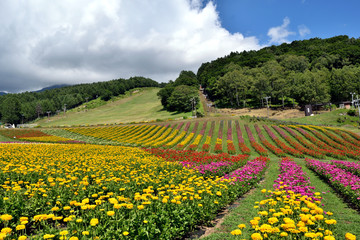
<point x="308" y="110"/>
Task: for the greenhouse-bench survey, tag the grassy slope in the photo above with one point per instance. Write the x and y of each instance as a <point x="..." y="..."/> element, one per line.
<point x="142" y="106"/>
<point x="328" y="118"/>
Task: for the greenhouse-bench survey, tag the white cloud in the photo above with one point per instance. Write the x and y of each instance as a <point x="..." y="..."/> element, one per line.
<point x="281" y="33"/>
<point x="303" y="30"/>
<point x="64" y="41"/>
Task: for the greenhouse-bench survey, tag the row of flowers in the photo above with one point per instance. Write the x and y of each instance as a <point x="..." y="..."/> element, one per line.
<point x="230" y="144"/>
<point x="304" y="146"/>
<point x="258" y="148"/>
<point x="334" y="145"/>
<point x="177" y="137"/>
<point x="277" y="151"/>
<point x="292" y="210"/>
<point x="321" y="146"/>
<point x="243" y="148"/>
<point x="195" y="144"/>
<point x="36" y="136"/>
<point x="282" y="145"/>
<point x="206" y="145"/>
<point x="218" y="144"/>
<point x="345" y="182"/>
<point x="188" y="138"/>
<point x="348" y="166"/>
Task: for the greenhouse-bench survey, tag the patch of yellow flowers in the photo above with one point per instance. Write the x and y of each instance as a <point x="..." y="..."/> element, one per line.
<point x="286" y="215"/>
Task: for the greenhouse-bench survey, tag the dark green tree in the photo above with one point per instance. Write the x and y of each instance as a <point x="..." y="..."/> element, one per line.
<point x="180" y="99"/>
<point x="11" y="110"/>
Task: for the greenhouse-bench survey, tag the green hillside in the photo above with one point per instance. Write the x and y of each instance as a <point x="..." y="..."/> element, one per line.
<point x="140" y="106"/>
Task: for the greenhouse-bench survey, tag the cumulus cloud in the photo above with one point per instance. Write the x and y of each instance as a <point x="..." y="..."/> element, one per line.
<point x="64" y="41"/>
<point x="303" y="30"/>
<point x="280" y="34"/>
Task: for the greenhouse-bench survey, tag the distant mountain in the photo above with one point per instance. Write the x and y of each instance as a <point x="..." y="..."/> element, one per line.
<point x="2" y="93"/>
<point x="53" y="87"/>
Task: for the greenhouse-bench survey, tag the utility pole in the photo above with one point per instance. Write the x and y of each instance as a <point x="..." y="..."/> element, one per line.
<point x="267" y="105"/>
<point x="352" y="98"/>
<point x="65" y="109"/>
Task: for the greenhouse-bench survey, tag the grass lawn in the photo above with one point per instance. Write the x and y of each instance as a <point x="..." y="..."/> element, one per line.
<point x="142" y="106"/>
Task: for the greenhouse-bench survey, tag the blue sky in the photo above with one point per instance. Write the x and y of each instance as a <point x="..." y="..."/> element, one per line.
<point x="322" y="18"/>
<point x="43" y="43"/>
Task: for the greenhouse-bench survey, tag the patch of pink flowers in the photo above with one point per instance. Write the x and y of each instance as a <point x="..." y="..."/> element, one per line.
<point x="345" y="182"/>
<point x="251" y="170"/>
<point x="292" y="178"/>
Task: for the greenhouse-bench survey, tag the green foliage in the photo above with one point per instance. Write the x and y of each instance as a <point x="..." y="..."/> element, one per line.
<point x="180" y="99"/>
<point x="168" y="95"/>
<point x="310" y="71"/>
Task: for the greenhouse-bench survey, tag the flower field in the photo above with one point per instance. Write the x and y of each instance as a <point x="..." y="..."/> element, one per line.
<point x="114" y="192"/>
<point x="160" y="181"/>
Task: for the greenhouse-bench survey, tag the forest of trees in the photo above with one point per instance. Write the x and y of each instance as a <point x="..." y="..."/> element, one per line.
<point x="27" y="106"/>
<point x="178" y="95"/>
<point x="303" y="72"/>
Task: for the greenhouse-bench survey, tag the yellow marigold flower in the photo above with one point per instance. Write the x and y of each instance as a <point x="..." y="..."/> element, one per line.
<point x="349" y="236"/>
<point x="283" y="234"/>
<point x="263" y="213"/>
<point x="6" y="217"/>
<point x="263" y="190"/>
<point x="62" y="233"/>
<point x="84" y="233"/>
<point x="67" y="208"/>
<point x="55" y="208"/>
<point x="74" y="238"/>
<point x="256" y="236"/>
<point x="330" y="222"/>
<point x="20" y="227"/>
<point x="6" y="230"/>
<point x="110" y="213"/>
<point x="140" y="207"/>
<point x="273" y="220"/>
<point x="125" y="233"/>
<point x="48" y="236"/>
<point x="241" y="226"/>
<point x="22" y="237"/>
<point x="310" y="235"/>
<point x="22" y="219"/>
<point x="200" y="205"/>
<point x="331" y="238"/>
<point x="236" y="232"/>
<point x="94" y="222"/>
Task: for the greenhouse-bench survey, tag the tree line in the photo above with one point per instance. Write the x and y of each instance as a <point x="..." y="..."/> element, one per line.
<point x="181" y="95"/>
<point x="302" y="72"/>
<point x="27" y="106"/>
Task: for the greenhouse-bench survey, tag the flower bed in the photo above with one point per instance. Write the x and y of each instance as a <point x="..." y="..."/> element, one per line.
<point x="109" y="192"/>
<point x="292" y="210"/>
<point x="262" y="151"/>
<point x="218" y="144"/>
<point x="244" y="149"/>
<point x="346" y="183"/>
<point x="297" y="145"/>
<point x="230" y="144"/>
<point x="206" y="145"/>
<point x="348" y="166"/>
<point x="277" y="151"/>
<point x="188" y="138"/>
<point x="195" y="144"/>
<point x="282" y="145"/>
